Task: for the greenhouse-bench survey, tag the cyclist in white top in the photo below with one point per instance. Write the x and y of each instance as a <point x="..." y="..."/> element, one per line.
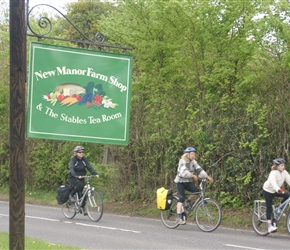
<point x="273" y="188"/>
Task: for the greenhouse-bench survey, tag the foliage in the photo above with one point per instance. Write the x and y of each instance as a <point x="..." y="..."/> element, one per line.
<point x="4" y="103"/>
<point x="85" y="15"/>
<point x="209" y="74"/>
<point x="199" y="79"/>
<point x="48" y="162"/>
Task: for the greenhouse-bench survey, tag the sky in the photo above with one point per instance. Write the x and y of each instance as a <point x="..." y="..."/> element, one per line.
<point x="58" y="4"/>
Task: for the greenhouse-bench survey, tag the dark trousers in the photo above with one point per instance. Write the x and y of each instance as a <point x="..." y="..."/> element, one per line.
<point x="182" y="186"/>
<point x="77" y="183"/>
<point x="269" y="201"/>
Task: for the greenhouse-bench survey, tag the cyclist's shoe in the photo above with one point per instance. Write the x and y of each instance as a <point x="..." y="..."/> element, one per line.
<point x="181" y="221"/>
<point x="72" y="198"/>
<point x="85" y="210"/>
<point x="272" y="229"/>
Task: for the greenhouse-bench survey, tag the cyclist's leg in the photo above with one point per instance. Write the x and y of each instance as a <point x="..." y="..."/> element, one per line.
<point x="269" y="201"/>
<point x="285" y="196"/>
<point x="193" y="189"/>
<point x="181" y="194"/>
<point x="78" y="185"/>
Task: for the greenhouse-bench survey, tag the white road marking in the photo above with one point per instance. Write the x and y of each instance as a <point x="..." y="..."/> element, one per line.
<point x="80" y="224"/>
<point x="110" y="228"/>
<point x="68" y="222"/>
<point x="237" y="246"/>
<point x="40" y="218"/>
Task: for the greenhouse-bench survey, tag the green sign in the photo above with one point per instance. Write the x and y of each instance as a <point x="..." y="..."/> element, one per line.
<point x="78" y="95"/>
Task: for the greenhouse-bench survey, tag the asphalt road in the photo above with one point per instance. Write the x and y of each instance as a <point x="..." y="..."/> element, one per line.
<point x="123" y="232"/>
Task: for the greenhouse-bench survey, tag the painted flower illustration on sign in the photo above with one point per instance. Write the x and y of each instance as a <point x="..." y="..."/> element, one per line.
<point x="91" y="95"/>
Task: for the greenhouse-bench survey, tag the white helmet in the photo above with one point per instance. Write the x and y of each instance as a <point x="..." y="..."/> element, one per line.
<point x="279" y="161"/>
<point x="78" y="148"/>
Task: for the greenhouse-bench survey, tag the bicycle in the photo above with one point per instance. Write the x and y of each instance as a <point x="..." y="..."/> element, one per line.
<point x="259" y="220"/>
<point x="89" y="202"/>
<point x="207" y="211"/>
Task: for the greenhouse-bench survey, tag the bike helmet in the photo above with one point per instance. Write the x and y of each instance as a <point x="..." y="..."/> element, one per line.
<point x="189" y="149"/>
<point x="279" y="161"/>
<point x="78" y="148"/>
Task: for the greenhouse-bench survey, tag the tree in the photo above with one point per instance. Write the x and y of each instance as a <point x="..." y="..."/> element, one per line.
<point x="195" y="82"/>
<point x="84" y="15"/>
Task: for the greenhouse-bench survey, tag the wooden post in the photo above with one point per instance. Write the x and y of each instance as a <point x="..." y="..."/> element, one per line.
<point x="17" y="124"/>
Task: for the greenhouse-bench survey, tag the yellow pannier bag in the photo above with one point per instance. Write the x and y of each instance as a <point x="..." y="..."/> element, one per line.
<point x="164" y="198"/>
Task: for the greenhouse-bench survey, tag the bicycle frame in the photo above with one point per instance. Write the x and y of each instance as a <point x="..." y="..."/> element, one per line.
<point x="201" y="197"/>
<point x="259" y="220"/>
<point x="258" y="204"/>
<point x="86" y="194"/>
<point x="207" y="212"/>
<point x="89" y="203"/>
<point x="283" y="207"/>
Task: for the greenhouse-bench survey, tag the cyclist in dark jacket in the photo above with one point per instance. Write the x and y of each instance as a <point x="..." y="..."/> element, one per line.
<point x="78" y="167"/>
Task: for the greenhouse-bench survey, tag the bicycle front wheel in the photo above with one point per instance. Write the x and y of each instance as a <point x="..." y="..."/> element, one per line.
<point x="288" y="222"/>
<point x="208" y="215"/>
<point x="169" y="217"/>
<point x="68" y="209"/>
<point x="259" y="221"/>
<point x="94" y="206"/>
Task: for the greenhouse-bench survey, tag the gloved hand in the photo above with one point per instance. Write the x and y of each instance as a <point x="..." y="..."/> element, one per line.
<point x="210" y="179"/>
<point x="281" y="191"/>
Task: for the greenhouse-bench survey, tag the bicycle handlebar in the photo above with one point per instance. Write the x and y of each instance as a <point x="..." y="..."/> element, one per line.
<point x="86" y="176"/>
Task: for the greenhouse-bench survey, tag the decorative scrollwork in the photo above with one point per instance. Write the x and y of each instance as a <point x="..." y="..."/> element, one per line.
<point x="100" y="37"/>
<point x="43" y="23"/>
<point x="45" y="26"/>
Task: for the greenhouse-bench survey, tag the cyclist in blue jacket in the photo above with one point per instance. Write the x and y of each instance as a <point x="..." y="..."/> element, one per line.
<point x="188" y="170"/>
<point x="78" y="167"/>
<point x="273" y="187"/>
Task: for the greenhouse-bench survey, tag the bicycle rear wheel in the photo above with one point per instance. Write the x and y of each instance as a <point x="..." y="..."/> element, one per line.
<point x="68" y="209"/>
<point x="169" y="217"/>
<point x="208" y="215"/>
<point x="259" y="221"/>
<point x="94" y="206"/>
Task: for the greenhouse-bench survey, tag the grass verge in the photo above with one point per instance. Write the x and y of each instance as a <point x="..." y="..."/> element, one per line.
<point x="31" y="243"/>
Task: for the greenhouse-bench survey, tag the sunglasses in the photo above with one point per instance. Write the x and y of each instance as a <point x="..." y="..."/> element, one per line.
<point x="80" y="152"/>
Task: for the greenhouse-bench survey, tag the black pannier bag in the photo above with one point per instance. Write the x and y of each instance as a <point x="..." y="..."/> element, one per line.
<point x="63" y="193"/>
<point x="169" y="199"/>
